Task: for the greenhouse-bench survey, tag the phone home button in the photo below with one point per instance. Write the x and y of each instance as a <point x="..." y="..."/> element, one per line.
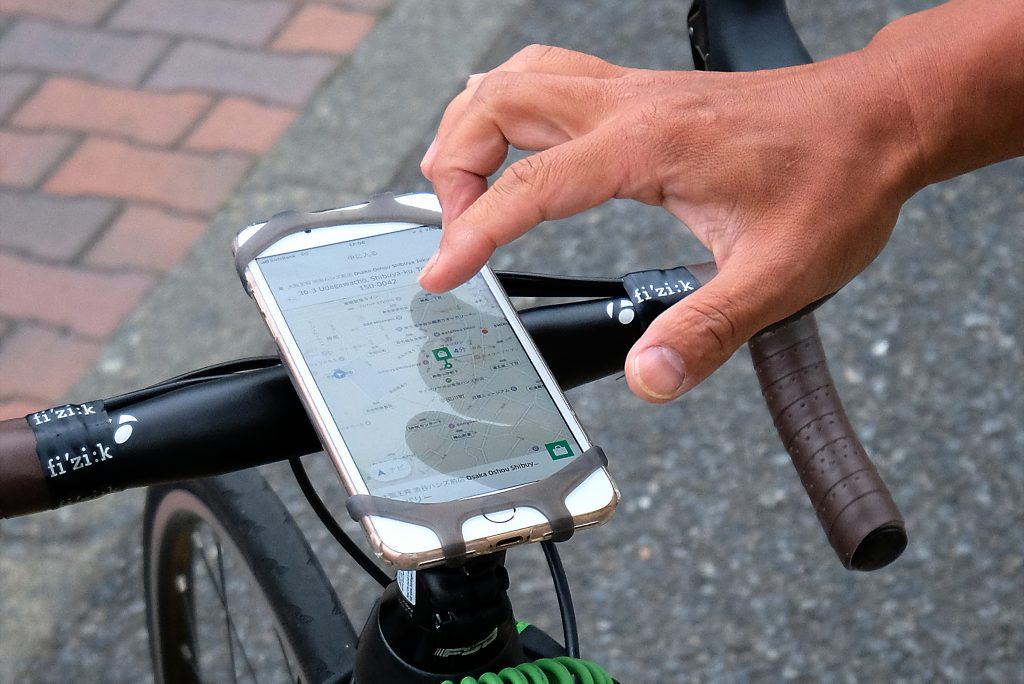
<point x="501" y="516"/>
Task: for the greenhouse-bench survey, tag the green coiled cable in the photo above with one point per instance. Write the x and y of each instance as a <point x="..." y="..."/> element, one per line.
<point x="559" y="670"/>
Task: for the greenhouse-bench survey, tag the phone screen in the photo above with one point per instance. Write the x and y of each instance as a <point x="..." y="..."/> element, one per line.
<point x="434" y="395"/>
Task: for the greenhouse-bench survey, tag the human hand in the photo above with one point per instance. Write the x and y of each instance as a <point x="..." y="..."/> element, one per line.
<point x="792" y="178"/>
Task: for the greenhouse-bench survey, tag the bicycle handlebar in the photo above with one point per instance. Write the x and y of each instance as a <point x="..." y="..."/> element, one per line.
<point x="244" y="420"/>
<point x="254" y="417"/>
<point x="22" y="483"/>
<point x="860" y="518"/>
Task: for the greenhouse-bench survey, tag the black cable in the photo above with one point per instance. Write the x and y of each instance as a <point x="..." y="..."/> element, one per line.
<point x="233" y="366"/>
<point x="357" y="554"/>
<point x="160" y="389"/>
<point x="215" y="372"/>
<point x="570" y="633"/>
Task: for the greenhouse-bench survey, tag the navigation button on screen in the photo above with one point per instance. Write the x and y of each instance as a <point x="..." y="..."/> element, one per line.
<point x="558" y="450"/>
<point x="395" y="469"/>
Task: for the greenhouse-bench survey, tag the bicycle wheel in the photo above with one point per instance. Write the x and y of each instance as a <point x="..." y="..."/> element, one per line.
<point x="234" y="593"/>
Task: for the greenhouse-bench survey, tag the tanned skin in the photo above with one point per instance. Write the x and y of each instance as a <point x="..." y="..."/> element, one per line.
<point x="793" y="178"/>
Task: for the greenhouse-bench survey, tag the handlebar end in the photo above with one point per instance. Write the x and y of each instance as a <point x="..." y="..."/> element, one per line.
<point x="22" y="482"/>
<point x="879" y="548"/>
<point x="855" y="508"/>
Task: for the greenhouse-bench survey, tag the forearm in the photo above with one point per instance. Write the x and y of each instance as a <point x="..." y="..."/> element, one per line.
<point x="960" y="70"/>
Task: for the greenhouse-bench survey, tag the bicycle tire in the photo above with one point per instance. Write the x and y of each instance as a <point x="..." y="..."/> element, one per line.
<point x="248" y="520"/>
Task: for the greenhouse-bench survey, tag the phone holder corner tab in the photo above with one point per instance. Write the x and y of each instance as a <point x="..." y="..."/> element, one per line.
<point x="446" y="518"/>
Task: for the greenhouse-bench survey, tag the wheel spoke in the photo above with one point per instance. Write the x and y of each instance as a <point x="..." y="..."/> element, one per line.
<point x="221" y="544"/>
<point x="183" y="585"/>
<point x="227" y="611"/>
<point x="287" y="662"/>
<point x="220" y="589"/>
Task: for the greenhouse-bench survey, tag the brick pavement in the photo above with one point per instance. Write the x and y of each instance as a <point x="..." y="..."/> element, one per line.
<point x="124" y="124"/>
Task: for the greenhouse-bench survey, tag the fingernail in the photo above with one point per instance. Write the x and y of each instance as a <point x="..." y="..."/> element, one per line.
<point x="426" y="269"/>
<point x="428" y="156"/>
<point x="660" y="372"/>
<point x="472" y="77"/>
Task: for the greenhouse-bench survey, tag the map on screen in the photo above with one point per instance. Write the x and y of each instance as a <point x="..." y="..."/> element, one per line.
<point x="433" y="394"/>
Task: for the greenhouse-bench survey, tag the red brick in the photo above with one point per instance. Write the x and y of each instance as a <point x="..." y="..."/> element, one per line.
<point x="75" y="11"/>
<point x="182" y="180"/>
<point x="41" y="364"/>
<point x="51" y="228"/>
<point x="242" y="125"/>
<point x="13" y="87"/>
<point x="148" y="117"/>
<point x="90" y="303"/>
<point x="319" y="28"/>
<point x="26" y="157"/>
<point x="240" y="22"/>
<point x="375" y="6"/>
<point x="103" y="55"/>
<point x="287" y="80"/>
<point x="146" y="238"/>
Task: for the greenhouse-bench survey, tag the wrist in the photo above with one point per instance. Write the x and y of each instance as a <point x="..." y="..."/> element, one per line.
<point x="958" y="73"/>
<point x="898" y="136"/>
<point x="876" y="124"/>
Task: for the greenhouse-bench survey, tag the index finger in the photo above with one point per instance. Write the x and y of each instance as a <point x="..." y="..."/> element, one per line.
<point x="543" y="60"/>
<point x="526" y="111"/>
<point x="558" y="182"/>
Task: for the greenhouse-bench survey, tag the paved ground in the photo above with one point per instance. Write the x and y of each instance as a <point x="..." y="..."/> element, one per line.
<point x="713" y="569"/>
<point x="124" y="124"/>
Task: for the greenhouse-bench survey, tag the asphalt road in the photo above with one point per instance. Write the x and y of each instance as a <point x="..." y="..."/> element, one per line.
<point x="714" y="568"/>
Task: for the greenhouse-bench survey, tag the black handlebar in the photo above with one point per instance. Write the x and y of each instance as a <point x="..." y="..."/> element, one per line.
<point x="247" y="418"/>
<point x="743" y="35"/>
<point x="225" y="421"/>
<point x="246" y="413"/>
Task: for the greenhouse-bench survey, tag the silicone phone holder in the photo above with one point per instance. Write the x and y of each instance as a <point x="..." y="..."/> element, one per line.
<point x="445" y="519"/>
<point x="383" y="208"/>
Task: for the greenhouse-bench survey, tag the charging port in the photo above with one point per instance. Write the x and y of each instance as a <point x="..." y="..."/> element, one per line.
<point x="508" y="541"/>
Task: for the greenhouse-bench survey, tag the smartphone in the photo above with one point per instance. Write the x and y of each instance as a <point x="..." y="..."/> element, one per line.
<point x="417" y="396"/>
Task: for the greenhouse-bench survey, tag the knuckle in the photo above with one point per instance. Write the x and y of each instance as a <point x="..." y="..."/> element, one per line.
<point x="642" y="153"/>
<point x="650" y="116"/>
<point x="494" y="87"/>
<point x="660" y="140"/>
<point x="444" y="172"/>
<point x="521" y="187"/>
<point x="645" y="127"/>
<point x="718" y="322"/>
<point x="526" y="173"/>
<point x="536" y="54"/>
<point x="448" y="177"/>
<point x="659" y="125"/>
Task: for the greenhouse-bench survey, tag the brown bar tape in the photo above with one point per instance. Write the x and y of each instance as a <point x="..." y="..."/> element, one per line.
<point x="23" y="487"/>
<point x="852" y="502"/>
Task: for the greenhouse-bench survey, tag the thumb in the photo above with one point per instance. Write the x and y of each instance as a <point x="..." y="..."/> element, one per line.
<point x="690" y="340"/>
